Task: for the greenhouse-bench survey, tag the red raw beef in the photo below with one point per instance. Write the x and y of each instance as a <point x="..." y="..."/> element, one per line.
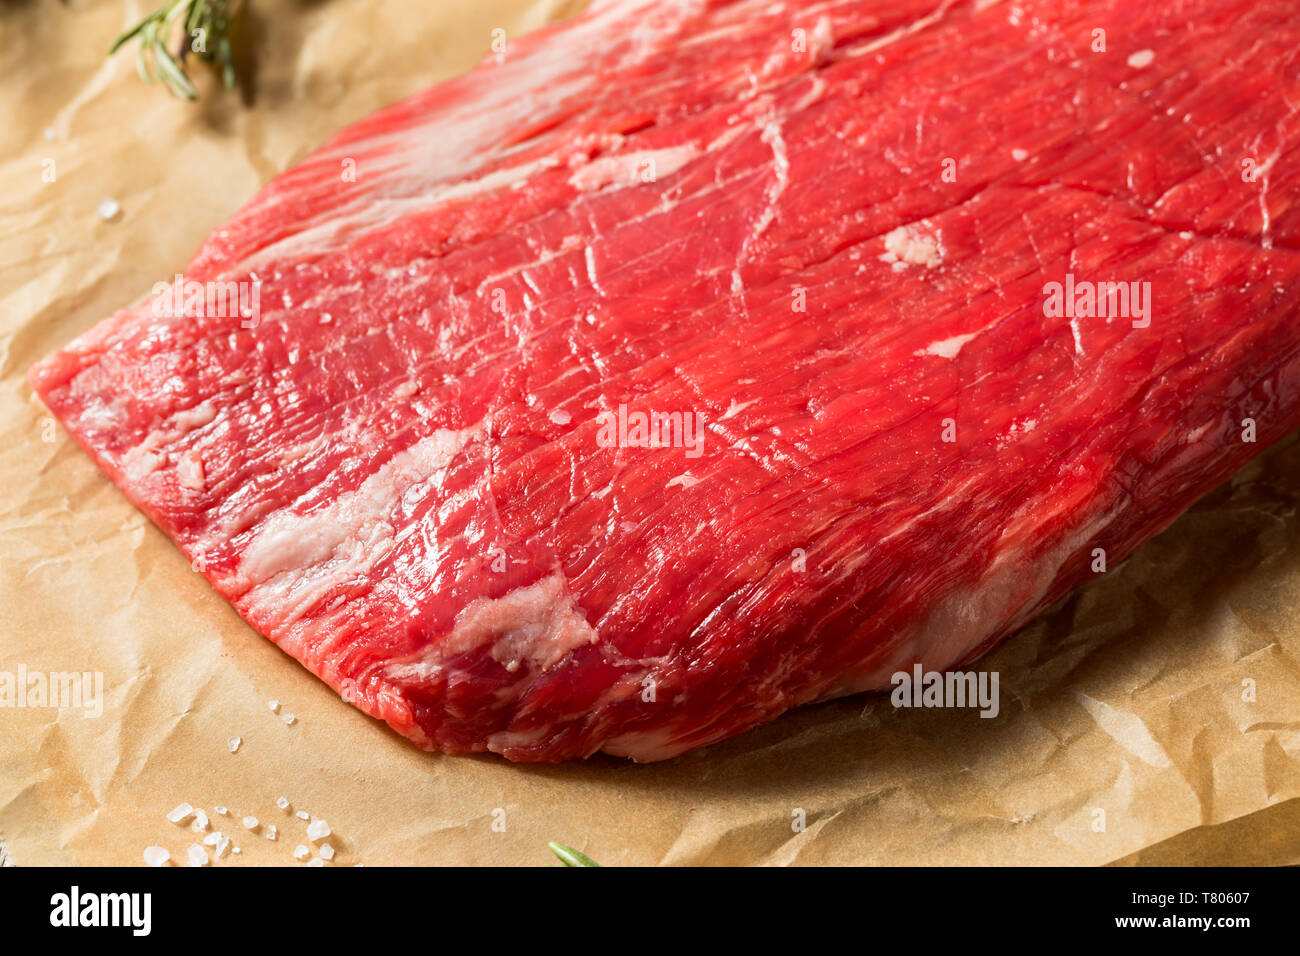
<point x="822" y="235"/>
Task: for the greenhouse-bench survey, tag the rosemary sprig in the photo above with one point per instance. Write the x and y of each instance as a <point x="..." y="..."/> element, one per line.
<point x="205" y="32"/>
<point x="571" y="857"/>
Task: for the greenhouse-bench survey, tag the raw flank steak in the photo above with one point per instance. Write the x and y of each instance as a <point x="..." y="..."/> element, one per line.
<point x="697" y="360"/>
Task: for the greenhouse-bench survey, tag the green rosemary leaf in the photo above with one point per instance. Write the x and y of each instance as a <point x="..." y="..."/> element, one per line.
<point x="571" y="857"/>
<point x="172" y="74"/>
<point x="227" y="63"/>
<point x="142" y="64"/>
<point x="134" y="31"/>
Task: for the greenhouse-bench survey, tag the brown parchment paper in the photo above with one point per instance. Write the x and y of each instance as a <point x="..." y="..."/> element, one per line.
<point x="1127" y="734"/>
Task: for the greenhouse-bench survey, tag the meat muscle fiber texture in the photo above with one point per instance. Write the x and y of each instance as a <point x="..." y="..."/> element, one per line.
<point x="824" y="237"/>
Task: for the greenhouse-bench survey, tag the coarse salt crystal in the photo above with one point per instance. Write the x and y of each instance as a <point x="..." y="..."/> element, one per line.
<point x="181" y="813"/>
<point x="200" y="823"/>
<point x="303" y="815"/>
<point x="233" y="743"/>
<point x="236" y="850"/>
<point x="250" y="823"/>
<point x="223" y="847"/>
<point x="198" y="856"/>
<point x="271" y="833"/>
<point x="282" y="803"/>
<point x="326" y="851"/>
<point x="274" y="705"/>
<point x="108" y="210"/>
<point x="301" y="852"/>
<point x="288" y="718"/>
<point x="156" y="856"/>
<point x="315" y="862"/>
<point x="213" y="838"/>
<point x="222" y="811"/>
<point x="317" y="830"/>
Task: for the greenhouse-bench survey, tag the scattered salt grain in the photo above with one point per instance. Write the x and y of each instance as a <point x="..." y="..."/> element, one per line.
<point x="182" y="813"/>
<point x="236" y="850"/>
<point x="317" y="830"/>
<point x="315" y="862"/>
<point x="156" y="856"/>
<point x="1020" y="155"/>
<point x="288" y="718"/>
<point x="303" y="815"/>
<point x="274" y="705"/>
<point x="282" y="803"/>
<point x="250" y="823"/>
<point x="213" y="838"/>
<point x="200" y="823"/>
<point x="108" y="210"/>
<point x="301" y="852"/>
<point x="222" y="811"/>
<point x="223" y="847"/>
<point x="326" y="851"/>
<point x="233" y="743"/>
<point x="271" y="833"/>
<point x="198" y="856"/>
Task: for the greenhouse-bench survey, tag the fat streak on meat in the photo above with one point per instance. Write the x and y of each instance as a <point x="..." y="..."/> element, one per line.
<point x="823" y="233"/>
